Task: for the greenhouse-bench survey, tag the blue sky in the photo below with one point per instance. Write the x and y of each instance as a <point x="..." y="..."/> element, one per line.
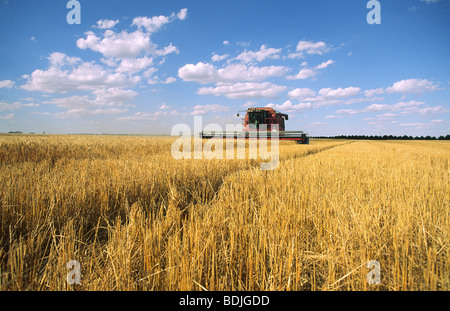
<point x="140" y="67"/>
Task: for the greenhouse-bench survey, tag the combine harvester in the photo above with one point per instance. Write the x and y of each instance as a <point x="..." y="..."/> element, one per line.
<point x="260" y="123"/>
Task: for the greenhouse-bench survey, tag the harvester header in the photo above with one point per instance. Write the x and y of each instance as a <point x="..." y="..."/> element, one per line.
<point x="259" y="122"/>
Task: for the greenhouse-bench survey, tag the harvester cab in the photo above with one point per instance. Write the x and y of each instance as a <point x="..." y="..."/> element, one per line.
<point x="268" y="116"/>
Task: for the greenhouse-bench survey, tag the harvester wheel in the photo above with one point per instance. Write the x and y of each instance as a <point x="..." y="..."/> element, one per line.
<point x="304" y="140"/>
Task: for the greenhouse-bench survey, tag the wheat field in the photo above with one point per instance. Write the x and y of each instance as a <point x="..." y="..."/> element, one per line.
<point x="135" y="218"/>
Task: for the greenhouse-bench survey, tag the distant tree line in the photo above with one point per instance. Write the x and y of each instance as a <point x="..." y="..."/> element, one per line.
<point x="386" y="137"/>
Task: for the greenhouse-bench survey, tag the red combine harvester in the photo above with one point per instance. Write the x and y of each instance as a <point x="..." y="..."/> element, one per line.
<point x="267" y="117"/>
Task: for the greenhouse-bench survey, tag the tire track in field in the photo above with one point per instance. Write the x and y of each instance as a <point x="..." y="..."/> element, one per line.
<point x="217" y="188"/>
<point x="315" y="151"/>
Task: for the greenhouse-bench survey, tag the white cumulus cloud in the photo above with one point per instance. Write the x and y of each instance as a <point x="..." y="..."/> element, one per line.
<point x="182" y="14"/>
<point x="301" y="93"/>
<point x="413" y="86"/>
<point x="306" y="73"/>
<point x="218" y="58"/>
<point x="340" y="92"/>
<point x="309" y="47"/>
<point x="133" y="65"/>
<point x="113" y="44"/>
<point x="287" y="106"/>
<point x="207" y="73"/>
<point x="325" y="64"/>
<point x="153" y="24"/>
<point x="106" y="23"/>
<point x="259" y="56"/>
<point x="7" y="117"/>
<point x="204" y="109"/>
<point x="244" y="90"/>
<point x="7" y="84"/>
<point x="76" y="77"/>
